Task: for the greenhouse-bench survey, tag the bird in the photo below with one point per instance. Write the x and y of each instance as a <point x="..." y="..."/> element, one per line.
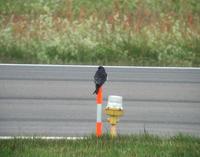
<point x="100" y="78"/>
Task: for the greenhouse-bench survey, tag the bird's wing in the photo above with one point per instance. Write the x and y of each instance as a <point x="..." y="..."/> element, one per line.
<point x="97" y="80"/>
<point x="100" y="77"/>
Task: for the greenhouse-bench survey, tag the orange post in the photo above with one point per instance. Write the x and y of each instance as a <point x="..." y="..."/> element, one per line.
<point x="99" y="101"/>
<point x="99" y="126"/>
<point x="100" y="96"/>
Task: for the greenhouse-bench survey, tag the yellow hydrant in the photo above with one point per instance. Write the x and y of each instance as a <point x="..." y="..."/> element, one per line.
<point x="114" y="110"/>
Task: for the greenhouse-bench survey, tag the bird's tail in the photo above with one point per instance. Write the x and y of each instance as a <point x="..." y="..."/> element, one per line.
<point x="96" y="90"/>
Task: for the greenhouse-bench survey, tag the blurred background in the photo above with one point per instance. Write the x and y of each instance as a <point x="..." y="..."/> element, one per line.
<point x="108" y="32"/>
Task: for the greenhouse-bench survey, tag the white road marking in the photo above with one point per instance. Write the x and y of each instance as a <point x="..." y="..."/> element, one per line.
<point x="94" y="66"/>
<point x="41" y="137"/>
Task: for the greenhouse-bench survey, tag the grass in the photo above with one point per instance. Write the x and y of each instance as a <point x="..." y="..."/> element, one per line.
<point x="107" y="32"/>
<point x="128" y="146"/>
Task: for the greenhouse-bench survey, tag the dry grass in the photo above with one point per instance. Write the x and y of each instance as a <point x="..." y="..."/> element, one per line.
<point x="108" y="32"/>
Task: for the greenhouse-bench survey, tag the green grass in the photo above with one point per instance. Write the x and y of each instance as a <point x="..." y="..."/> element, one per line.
<point x="103" y="7"/>
<point x="122" y="146"/>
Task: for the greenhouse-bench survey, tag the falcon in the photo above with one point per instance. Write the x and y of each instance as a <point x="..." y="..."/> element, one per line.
<point x="100" y="78"/>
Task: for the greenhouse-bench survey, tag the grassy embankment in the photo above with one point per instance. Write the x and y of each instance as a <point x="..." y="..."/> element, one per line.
<point x="126" y="146"/>
<point x="114" y="32"/>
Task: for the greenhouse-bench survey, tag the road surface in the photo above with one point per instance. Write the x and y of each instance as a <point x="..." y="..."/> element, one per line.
<point x="57" y="100"/>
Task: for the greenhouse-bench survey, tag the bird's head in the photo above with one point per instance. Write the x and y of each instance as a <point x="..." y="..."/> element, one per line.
<point x="100" y="67"/>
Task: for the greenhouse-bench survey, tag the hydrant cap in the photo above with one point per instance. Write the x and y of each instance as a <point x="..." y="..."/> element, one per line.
<point x="114" y="102"/>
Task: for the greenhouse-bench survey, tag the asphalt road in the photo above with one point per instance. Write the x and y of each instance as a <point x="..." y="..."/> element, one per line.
<point x="57" y="100"/>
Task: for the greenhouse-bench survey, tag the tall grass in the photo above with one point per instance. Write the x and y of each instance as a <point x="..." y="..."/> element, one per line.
<point x="129" y="146"/>
<point x="132" y="32"/>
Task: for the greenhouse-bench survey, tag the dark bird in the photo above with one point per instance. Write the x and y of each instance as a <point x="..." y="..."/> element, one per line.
<point x="100" y="78"/>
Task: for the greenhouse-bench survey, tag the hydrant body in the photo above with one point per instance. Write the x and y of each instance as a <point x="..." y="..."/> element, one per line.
<point x="114" y="115"/>
<point x="114" y="110"/>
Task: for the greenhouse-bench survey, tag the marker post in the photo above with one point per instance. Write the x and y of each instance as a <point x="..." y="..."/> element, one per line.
<point x="99" y="101"/>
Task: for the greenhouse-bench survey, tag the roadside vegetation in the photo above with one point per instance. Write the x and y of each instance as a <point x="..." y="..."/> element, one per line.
<point x="127" y="146"/>
<point x="109" y="32"/>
